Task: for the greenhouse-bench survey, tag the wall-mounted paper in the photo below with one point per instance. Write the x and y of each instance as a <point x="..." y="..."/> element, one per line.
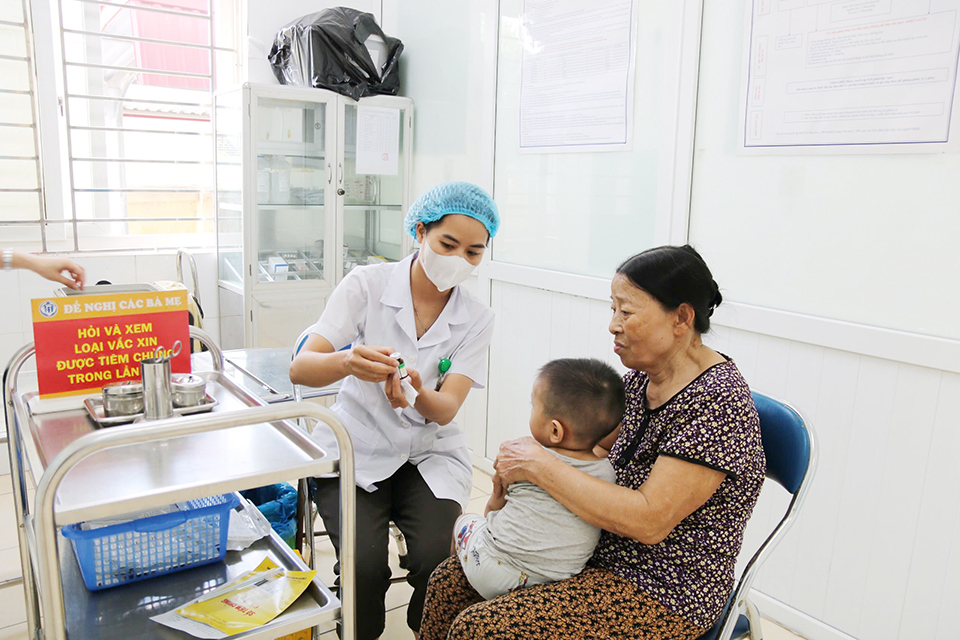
<point x="576" y="86"/>
<point x="870" y="72"/>
<point x="378" y="140"/>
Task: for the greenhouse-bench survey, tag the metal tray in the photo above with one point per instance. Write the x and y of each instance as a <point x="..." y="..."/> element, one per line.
<point x="94" y="407"/>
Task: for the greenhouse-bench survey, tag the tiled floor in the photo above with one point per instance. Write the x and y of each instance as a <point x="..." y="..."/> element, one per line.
<point x="13" y="615"/>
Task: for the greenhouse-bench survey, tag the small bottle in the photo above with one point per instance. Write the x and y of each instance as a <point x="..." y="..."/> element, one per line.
<point x="401" y="367"/>
<point x="409" y="392"/>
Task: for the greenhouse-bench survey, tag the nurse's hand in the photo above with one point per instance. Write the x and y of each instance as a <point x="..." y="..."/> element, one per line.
<point x="395" y="392"/>
<point x="371" y="364"/>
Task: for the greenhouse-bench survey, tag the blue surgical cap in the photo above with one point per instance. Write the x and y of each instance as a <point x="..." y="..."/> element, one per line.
<point x="453" y="197"/>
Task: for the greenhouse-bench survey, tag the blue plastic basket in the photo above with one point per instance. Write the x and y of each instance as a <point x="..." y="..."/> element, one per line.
<point x="132" y="551"/>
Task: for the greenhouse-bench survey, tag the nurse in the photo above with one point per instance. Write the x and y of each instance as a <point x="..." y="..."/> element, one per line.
<point x="412" y="462"/>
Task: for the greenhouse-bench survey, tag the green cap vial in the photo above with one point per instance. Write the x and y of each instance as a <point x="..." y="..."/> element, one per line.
<point x="401" y="368"/>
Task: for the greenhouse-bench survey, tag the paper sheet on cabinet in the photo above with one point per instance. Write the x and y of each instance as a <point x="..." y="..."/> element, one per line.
<point x="378" y="140"/>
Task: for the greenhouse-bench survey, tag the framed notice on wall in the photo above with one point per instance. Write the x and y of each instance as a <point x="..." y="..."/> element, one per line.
<point x="576" y="80"/>
<point x="849" y="76"/>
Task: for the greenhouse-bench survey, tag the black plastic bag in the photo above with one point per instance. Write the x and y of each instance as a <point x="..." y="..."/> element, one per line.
<point x="329" y="50"/>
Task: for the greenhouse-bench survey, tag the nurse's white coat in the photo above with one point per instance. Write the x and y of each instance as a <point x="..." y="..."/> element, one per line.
<point x="373" y="305"/>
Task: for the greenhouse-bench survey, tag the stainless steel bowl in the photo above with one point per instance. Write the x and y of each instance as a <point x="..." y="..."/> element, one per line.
<point x="124" y="398"/>
<point x="187" y="390"/>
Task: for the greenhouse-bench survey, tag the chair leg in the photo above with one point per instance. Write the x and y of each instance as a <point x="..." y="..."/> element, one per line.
<point x="756" y="626"/>
<point x="401" y="544"/>
<point x="302" y="515"/>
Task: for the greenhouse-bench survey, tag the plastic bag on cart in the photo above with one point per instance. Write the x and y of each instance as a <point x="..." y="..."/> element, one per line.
<point x="340" y="49"/>
<point x="247" y="525"/>
<point x="278" y="504"/>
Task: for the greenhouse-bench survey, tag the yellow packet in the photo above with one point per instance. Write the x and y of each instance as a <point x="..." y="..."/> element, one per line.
<point x="258" y="597"/>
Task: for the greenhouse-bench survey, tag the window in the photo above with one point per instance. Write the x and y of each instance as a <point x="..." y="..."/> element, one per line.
<point x="21" y="196"/>
<point x="138" y="78"/>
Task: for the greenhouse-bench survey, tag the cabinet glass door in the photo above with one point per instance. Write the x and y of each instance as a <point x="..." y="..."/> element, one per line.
<point x="372" y="202"/>
<point x="291" y="219"/>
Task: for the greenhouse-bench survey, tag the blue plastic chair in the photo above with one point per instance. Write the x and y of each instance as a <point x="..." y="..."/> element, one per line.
<point x="789" y="444"/>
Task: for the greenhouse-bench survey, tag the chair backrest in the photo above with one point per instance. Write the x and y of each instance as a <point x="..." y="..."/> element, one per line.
<point x="786" y="442"/>
<point x="789" y="444"/>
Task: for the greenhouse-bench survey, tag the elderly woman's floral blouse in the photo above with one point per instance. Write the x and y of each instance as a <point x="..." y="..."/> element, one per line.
<point x="711" y="422"/>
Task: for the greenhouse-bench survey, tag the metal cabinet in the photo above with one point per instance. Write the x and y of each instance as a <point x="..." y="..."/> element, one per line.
<point x="294" y="214"/>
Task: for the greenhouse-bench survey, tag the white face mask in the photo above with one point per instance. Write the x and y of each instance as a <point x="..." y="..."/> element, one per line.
<point x="445" y="272"/>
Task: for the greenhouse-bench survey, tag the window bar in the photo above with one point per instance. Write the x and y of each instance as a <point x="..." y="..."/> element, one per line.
<point x="213" y="128"/>
<point x="69" y="141"/>
<point x="153" y="72"/>
<point x="117" y="36"/>
<point x="136" y="160"/>
<point x="87" y="96"/>
<point x="124" y="130"/>
<point x="185" y="14"/>
<point x="35" y="110"/>
<point x="139" y="190"/>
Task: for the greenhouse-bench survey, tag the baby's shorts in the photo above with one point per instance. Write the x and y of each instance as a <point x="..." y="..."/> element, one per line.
<point x="490" y="576"/>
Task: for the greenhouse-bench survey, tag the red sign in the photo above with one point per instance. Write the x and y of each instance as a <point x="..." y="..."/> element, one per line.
<point x="85" y="342"/>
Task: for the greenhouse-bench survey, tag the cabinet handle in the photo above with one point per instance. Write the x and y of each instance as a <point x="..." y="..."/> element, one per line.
<point x="329" y="173"/>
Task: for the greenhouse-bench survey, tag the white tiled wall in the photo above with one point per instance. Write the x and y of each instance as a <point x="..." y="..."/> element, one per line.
<point x="876" y="551"/>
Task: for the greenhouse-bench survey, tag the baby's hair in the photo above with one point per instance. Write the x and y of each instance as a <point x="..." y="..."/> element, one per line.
<point x="585" y="394"/>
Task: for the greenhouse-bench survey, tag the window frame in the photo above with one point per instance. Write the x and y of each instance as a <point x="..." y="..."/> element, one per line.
<point x="60" y="224"/>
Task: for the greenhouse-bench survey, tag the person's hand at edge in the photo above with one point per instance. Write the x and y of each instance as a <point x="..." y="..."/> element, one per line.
<point x="54" y="268"/>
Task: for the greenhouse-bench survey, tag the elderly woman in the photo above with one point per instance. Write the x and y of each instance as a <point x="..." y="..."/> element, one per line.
<point x="412" y="462"/>
<point x="689" y="464"/>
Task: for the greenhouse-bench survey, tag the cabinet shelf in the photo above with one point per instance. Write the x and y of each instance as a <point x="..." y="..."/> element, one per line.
<point x="290" y="149"/>
<point x="289" y="205"/>
<point x="368" y="207"/>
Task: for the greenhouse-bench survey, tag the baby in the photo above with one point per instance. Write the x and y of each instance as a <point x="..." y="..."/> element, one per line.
<point x="527" y="537"/>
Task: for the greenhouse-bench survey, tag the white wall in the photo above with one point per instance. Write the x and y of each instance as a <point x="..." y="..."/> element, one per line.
<point x="833" y="267"/>
<point x="876" y="553"/>
<point x="448" y="67"/>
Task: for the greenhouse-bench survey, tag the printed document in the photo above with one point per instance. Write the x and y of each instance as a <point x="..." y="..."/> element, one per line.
<point x="849" y="72"/>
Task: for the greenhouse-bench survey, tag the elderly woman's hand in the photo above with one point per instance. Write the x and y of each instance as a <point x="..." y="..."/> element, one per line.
<point x="518" y="460"/>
